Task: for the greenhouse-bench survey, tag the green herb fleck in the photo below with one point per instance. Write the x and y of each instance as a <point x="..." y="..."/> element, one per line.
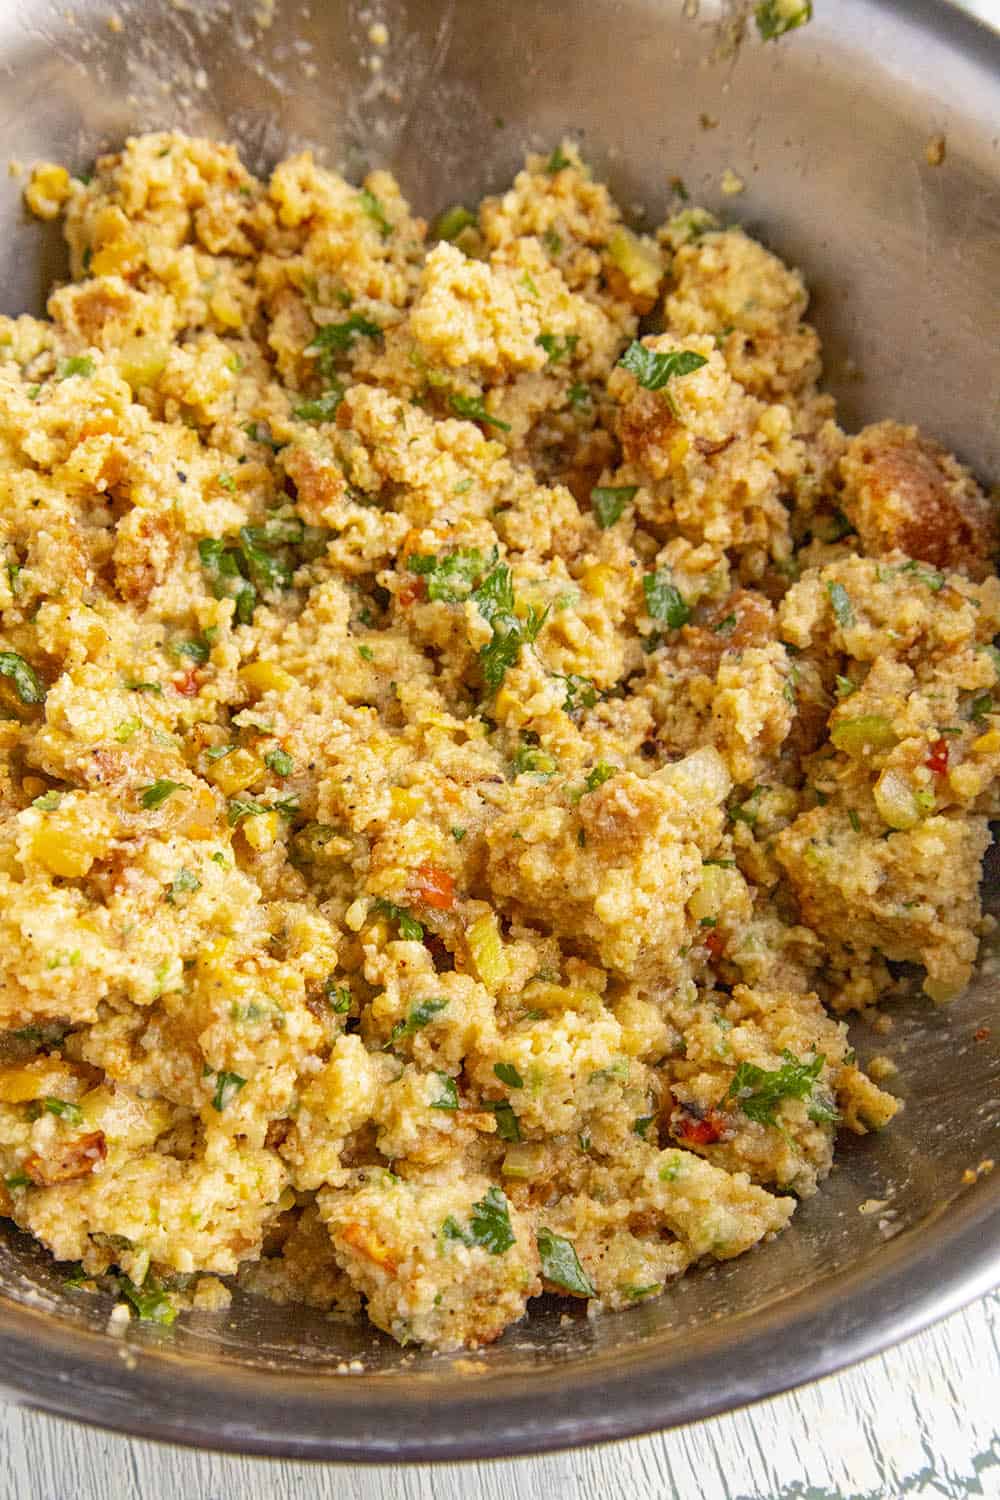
<point x="452" y="578"/>
<point x="558" y="348"/>
<point x="373" y="208"/>
<point x="409" y="928"/>
<point x="664" y="600"/>
<point x="609" y="501"/>
<point x="336" y="338"/>
<point x="156" y="794"/>
<point x="27" y="683"/>
<point x="76" y="364"/>
<point x="473" y="410"/>
<point x="279" y="761"/>
<point x="653" y="370"/>
<point x="580" y="692"/>
<point x="494" y="598"/>
<point x="448" y="1097"/>
<point x="748" y="810"/>
<point x="508" y="1127"/>
<point x="449" y="225"/>
<point x="489" y="1226"/>
<point x="759" y="1091"/>
<point x="508" y="1074"/>
<point x="227" y="1086"/>
<point x="840" y="603"/>
<point x="150" y="1302"/>
<point x="533" y="760"/>
<point x="183" y="881"/>
<point x="320" y="408"/>
<point x="561" y="1264"/>
<point x="420" y="1015"/>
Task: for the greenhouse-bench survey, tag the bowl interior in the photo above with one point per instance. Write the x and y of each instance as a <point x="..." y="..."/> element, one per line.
<point x="828" y="130"/>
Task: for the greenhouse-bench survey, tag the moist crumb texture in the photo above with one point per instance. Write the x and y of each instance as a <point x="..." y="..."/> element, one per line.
<point x="471" y="727"/>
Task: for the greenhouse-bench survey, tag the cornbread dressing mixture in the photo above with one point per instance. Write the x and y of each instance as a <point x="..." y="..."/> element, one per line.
<point x="462" y="754"/>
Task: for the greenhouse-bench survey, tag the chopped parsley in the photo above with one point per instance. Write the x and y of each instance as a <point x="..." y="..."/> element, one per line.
<point x="450" y="224"/>
<point x="840" y="603"/>
<point x="578" y="395"/>
<point x="664" y="601"/>
<point x="557" y="161"/>
<point x="601" y="773"/>
<point x="197" y="650"/>
<point x="759" y="1091"/>
<point x="243" y="807"/>
<point x="227" y="1086"/>
<point x="409" y="928"/>
<point x="419" y="1016"/>
<point x="608" y="501"/>
<point x="452" y="578"/>
<point x="321" y="408"/>
<point x="508" y="1074"/>
<point x="279" y="761"/>
<point x="640" y="1127"/>
<point x="981" y="706"/>
<point x="27" y="683"/>
<point x="48" y="801"/>
<point x="845" y="687"/>
<point x="336" y="338"/>
<point x="653" y="370"/>
<point x="724" y="627"/>
<point x="448" y="1097"/>
<point x="748" y="810"/>
<point x="508" y="1127"/>
<point x="533" y="760"/>
<point x="259" y="432"/>
<point x="473" y="410"/>
<point x="494" y="598"/>
<point x="489" y="1226"/>
<point x="338" y="996"/>
<point x="561" y="1264"/>
<point x="156" y="794"/>
<point x="558" y="347"/>
<point x="76" y="364"/>
<point x="150" y="1302"/>
<point x="373" y="208"/>
<point x="580" y="692"/>
<point x="182" y="882"/>
<point x="63" y="1109"/>
<point x="259" y="560"/>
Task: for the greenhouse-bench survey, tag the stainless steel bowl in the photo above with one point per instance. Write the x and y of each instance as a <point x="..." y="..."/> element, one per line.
<point x="829" y="130"/>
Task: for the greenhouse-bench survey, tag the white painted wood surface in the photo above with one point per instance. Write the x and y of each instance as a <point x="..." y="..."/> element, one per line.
<point x="922" y="1420"/>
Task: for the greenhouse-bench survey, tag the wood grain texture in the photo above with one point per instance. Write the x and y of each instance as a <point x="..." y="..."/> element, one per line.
<point x="920" y="1421"/>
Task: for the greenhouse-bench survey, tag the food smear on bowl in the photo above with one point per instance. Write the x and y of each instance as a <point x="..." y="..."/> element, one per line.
<point x="473" y="727"/>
